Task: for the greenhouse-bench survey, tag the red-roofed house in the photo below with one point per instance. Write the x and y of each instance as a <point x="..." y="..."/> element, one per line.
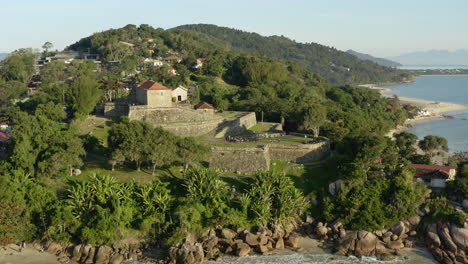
<point x="3" y="137"/>
<point x="205" y="107"/>
<point x="173" y="59"/>
<point x="433" y="175"/>
<point x="172" y="71"/>
<point x="199" y="63"/>
<point x="154" y="94"/>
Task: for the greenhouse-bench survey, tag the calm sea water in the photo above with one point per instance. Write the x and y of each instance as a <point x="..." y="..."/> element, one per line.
<point x="413" y="256"/>
<point x="443" y="88"/>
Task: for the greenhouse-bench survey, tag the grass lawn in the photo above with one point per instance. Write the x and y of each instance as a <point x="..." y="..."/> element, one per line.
<point x="261" y="128"/>
<point x="309" y="178"/>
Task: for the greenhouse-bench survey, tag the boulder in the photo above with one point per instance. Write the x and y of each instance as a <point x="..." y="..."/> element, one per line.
<point x="412" y="233"/>
<point x="432" y="239"/>
<point x="459" y="236"/>
<point x="342" y="232"/>
<point x="116" y="259"/>
<point x="446" y="239"/>
<point x="242" y="249"/>
<point x="187" y="253"/>
<point x="397" y="244"/>
<point x="263" y="239"/>
<point x="103" y="254"/>
<point x="309" y="219"/>
<point x="279" y="243"/>
<point x="227" y="234"/>
<point x="251" y="239"/>
<point x="347" y="243"/>
<point x="90" y="258"/>
<point x="293" y="240"/>
<point x="415" y="220"/>
<point x="321" y="230"/>
<point x="85" y="252"/>
<point x="54" y="248"/>
<point x="366" y="244"/>
<point x="399" y="228"/>
<point x="335" y="226"/>
<point x="77" y="252"/>
<point x="262" y="249"/>
<point x="210" y="242"/>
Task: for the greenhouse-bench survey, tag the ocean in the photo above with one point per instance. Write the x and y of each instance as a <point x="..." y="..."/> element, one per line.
<point x="409" y="256"/>
<point x="443" y="88"/>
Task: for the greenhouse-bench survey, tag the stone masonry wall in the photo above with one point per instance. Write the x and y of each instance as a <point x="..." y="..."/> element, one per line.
<point x="115" y="109"/>
<point x="243" y="160"/>
<point x="249" y="160"/>
<point x="169" y="114"/>
<point x="237" y="125"/>
<point x="192" y="129"/>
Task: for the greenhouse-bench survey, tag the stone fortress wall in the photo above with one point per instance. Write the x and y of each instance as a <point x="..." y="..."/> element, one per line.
<point x="250" y="160"/>
<point x="183" y="120"/>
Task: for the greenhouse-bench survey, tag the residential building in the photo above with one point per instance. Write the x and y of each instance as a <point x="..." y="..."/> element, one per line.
<point x="199" y="63"/>
<point x="153" y="94"/>
<point x="172" y="71"/>
<point x="204" y="107"/>
<point x="179" y="94"/>
<point x="433" y="175"/>
<point x="173" y="59"/>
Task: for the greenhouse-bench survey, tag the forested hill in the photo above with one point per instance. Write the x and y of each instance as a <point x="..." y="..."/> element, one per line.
<point x="336" y="66"/>
<point x="380" y="61"/>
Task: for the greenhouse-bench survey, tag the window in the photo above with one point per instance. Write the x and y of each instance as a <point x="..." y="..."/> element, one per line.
<point x="162" y="93"/>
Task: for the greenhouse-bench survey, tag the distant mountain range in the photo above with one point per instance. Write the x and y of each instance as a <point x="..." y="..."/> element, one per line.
<point x="380" y="61"/>
<point x="3" y="56"/>
<point x="433" y="57"/>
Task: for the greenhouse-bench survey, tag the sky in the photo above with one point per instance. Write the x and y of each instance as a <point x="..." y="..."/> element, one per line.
<point x="378" y="27"/>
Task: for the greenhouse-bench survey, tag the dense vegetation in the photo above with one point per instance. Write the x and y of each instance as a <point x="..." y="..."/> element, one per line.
<point x="40" y="199"/>
<point x="338" y="67"/>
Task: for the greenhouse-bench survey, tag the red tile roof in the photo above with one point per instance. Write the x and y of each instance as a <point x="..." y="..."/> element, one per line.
<point x="3" y="137"/>
<point x="204" y="105"/>
<point x="152" y="85"/>
<point x="432" y="171"/>
<point x="172" y="58"/>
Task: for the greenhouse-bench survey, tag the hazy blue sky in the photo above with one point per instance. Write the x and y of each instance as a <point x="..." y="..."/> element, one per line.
<point x="378" y="27"/>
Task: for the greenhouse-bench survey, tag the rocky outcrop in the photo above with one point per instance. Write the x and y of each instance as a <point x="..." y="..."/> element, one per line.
<point x="448" y="243"/>
<point x="385" y="244"/>
<point x="88" y="254"/>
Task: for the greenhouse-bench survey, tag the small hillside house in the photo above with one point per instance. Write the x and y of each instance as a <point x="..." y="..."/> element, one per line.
<point x="179" y="94"/>
<point x="173" y="59"/>
<point x="153" y="94"/>
<point x="204" y="107"/>
<point x="199" y="63"/>
<point x="152" y="62"/>
<point x="433" y="175"/>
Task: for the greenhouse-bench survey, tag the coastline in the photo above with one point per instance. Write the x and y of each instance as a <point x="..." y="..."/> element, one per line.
<point x="439" y="109"/>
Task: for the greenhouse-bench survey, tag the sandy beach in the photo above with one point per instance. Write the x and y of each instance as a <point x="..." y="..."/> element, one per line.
<point x="438" y="109"/>
<point x="28" y="255"/>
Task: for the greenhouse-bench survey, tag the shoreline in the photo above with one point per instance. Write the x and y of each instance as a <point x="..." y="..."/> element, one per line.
<point x="438" y="109"/>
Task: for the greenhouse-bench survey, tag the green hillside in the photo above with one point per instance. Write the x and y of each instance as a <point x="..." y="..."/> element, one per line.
<point x="380" y="61"/>
<point x="336" y="66"/>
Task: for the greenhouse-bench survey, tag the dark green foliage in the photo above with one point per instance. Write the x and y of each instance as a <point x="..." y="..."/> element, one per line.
<point x="336" y="66"/>
<point x="441" y="210"/>
<point x="42" y="146"/>
<point x="375" y="203"/>
<point x="433" y="144"/>
<point x="85" y="94"/>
